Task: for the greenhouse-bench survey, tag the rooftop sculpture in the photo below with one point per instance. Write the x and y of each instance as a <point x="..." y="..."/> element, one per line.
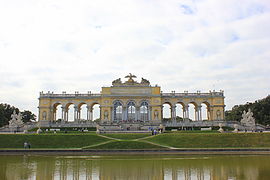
<point x="130" y="81"/>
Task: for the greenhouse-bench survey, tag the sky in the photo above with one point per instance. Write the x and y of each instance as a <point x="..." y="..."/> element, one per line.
<point x="181" y="45"/>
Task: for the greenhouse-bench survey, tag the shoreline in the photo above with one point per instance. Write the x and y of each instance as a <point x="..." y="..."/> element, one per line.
<point x="197" y="151"/>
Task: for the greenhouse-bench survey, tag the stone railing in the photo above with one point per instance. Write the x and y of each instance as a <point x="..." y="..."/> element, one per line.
<point x="185" y="94"/>
<point x="64" y="95"/>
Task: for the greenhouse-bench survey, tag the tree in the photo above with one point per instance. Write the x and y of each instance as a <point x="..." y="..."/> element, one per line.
<point x="27" y="116"/>
<point x="260" y="109"/>
<point x="5" y="114"/>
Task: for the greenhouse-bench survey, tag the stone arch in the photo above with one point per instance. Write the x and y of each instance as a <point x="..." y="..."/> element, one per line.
<point x="166" y="111"/>
<point x="57" y="111"/>
<point x="179" y="110"/>
<point x="82" y="111"/>
<point x="117" y="110"/>
<point x="93" y="104"/>
<point x="192" y="108"/>
<point x="94" y="111"/>
<point x="205" y="110"/>
<point x="71" y="109"/>
<point x="144" y="111"/>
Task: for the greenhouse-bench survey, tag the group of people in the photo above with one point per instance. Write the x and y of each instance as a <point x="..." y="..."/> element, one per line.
<point x="26" y="145"/>
<point x="154" y="131"/>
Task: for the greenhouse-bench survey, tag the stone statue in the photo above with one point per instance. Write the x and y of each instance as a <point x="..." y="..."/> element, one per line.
<point x="44" y="115"/>
<point x="220" y="128"/>
<point x="16" y="120"/>
<point x="218" y="115"/>
<point x="156" y="115"/>
<point x="145" y="81"/>
<point x="130" y="77"/>
<point x="117" y="81"/>
<point x="106" y="114"/>
<point x="235" y="128"/>
<point x="97" y="127"/>
<point x="247" y="119"/>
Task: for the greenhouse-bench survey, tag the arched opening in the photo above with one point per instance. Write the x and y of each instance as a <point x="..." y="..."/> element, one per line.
<point x="166" y="112"/>
<point x="131" y="111"/>
<point x="144" y="111"/>
<point x="70" y="108"/>
<point x="179" y="111"/>
<point x="192" y="111"/>
<point x="57" y="112"/>
<point x="117" y="111"/>
<point x="205" y="111"/>
<point x="82" y="108"/>
<point x="96" y="112"/>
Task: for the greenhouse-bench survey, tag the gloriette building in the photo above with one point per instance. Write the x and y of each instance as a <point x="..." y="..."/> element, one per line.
<point x="130" y="101"/>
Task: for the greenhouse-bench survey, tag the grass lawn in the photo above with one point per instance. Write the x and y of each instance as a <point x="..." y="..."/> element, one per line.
<point x="209" y="140"/>
<point x="50" y="140"/>
<point x="127" y="145"/>
<point x="177" y="140"/>
<point x="128" y="136"/>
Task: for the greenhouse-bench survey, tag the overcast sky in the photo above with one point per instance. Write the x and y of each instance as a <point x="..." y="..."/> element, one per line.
<point x="82" y="45"/>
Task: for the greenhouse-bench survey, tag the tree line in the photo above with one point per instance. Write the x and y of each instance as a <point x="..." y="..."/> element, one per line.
<point x="260" y="109"/>
<point x="6" y="110"/>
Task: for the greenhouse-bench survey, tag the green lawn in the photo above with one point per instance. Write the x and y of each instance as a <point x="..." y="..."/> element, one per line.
<point x="50" y="140"/>
<point x="127" y="145"/>
<point x="128" y="136"/>
<point x="177" y="140"/>
<point x="208" y="140"/>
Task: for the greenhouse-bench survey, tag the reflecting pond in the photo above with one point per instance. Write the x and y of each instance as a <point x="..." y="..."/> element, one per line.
<point x="187" y="167"/>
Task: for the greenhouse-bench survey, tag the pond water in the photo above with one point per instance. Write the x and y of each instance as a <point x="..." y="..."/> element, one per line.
<point x="187" y="167"/>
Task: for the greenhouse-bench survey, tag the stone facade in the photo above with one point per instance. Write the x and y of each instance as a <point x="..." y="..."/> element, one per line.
<point x="131" y="101"/>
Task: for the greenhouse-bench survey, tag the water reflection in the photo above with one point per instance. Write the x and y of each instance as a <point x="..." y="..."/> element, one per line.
<point x="135" y="167"/>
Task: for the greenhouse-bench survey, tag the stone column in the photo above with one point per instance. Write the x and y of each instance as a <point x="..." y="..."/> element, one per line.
<point x="112" y="114"/>
<point x="79" y="114"/>
<point x="75" y="113"/>
<point x="187" y="112"/>
<point x="149" y="110"/>
<point x="173" y="113"/>
<point x="137" y="113"/>
<point x="66" y="115"/>
<point x="87" y="113"/>
<point x="63" y="114"/>
<point x="184" y="112"/>
<point x="124" y="113"/>
<point x="200" y="113"/>
<point x="196" y="113"/>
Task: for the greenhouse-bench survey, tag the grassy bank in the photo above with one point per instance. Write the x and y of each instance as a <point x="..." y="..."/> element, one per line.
<point x="208" y="140"/>
<point x="134" y="141"/>
<point x="128" y="136"/>
<point x="126" y="145"/>
<point x="50" y="140"/>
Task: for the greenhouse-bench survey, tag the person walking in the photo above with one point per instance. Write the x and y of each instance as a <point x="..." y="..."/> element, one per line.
<point x="25" y="144"/>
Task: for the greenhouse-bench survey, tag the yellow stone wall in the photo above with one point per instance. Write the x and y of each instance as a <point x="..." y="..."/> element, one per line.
<point x="215" y="103"/>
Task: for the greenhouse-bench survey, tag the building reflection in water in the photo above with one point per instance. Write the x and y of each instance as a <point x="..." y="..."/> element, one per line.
<point x="135" y="167"/>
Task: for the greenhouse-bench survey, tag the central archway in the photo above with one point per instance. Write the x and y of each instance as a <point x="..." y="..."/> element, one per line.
<point x="131" y="111"/>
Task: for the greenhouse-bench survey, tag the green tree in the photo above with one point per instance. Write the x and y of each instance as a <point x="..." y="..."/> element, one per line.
<point x="28" y="116"/>
<point x="5" y="114"/>
<point x="260" y="109"/>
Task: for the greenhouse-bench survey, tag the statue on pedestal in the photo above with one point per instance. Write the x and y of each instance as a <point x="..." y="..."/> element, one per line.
<point x="220" y="128"/>
<point x="16" y="120"/>
<point x="247" y="119"/>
